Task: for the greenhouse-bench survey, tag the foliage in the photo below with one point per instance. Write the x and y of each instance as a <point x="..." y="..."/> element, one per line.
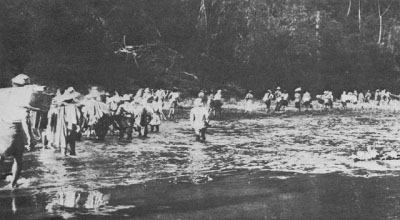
<point x="258" y="44"/>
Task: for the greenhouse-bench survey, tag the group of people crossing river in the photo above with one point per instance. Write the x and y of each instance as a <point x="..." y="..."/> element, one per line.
<point x="70" y="114"/>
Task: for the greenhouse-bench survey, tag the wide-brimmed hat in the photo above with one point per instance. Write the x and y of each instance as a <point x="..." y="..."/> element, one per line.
<point x="126" y="97"/>
<point x="198" y="102"/>
<point x="21" y="79"/>
<point x="298" y="89"/>
<point x="70" y="90"/>
<point x="69" y="94"/>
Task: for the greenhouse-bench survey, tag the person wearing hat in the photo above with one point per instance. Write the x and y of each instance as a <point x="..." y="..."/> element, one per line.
<point x="66" y="121"/>
<point x="343" y="99"/>
<point x="249" y="102"/>
<point x="216" y="103"/>
<point x="278" y="98"/>
<point x="368" y="96"/>
<point x="378" y="97"/>
<point x="268" y="96"/>
<point x="199" y="119"/>
<point x="147" y="93"/>
<point x="14" y="118"/>
<point x="361" y="97"/>
<point x="328" y="99"/>
<point x="155" y="111"/>
<point x="285" y="99"/>
<point x="307" y="100"/>
<point x="125" y="112"/>
<point x="297" y="98"/>
<point x="174" y="102"/>
<point x="22" y="80"/>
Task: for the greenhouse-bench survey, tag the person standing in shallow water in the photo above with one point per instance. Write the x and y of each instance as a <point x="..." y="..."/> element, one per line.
<point x="267" y="99"/>
<point x="297" y="98"/>
<point x="249" y="102"/>
<point x="307" y="100"/>
<point x="174" y="102"/>
<point x="199" y="119"/>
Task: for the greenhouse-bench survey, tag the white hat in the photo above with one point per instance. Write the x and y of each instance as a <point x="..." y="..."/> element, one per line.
<point x="198" y="102"/>
<point x="21" y="79"/>
<point x="219" y="91"/>
<point x="126" y="97"/>
<point x="278" y="88"/>
<point x="298" y="89"/>
<point x="70" y="89"/>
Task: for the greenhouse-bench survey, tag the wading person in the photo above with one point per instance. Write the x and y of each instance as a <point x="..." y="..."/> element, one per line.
<point x="23" y="80"/>
<point x="285" y="100"/>
<point x="297" y="98"/>
<point x="378" y="97"/>
<point x="174" y="101"/>
<point x="249" y="102"/>
<point x="68" y="120"/>
<point x="216" y="103"/>
<point x="13" y="116"/>
<point x="126" y="113"/>
<point x="367" y="96"/>
<point x="278" y="98"/>
<point x="361" y="98"/>
<point x="210" y="99"/>
<point x="155" y="110"/>
<point x="307" y="100"/>
<point x="199" y="119"/>
<point x="267" y="99"/>
<point x="344" y="99"/>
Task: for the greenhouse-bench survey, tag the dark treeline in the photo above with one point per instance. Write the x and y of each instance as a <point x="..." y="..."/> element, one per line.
<point x="257" y="44"/>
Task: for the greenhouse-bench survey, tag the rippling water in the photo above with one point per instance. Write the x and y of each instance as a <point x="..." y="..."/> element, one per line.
<point x="285" y="166"/>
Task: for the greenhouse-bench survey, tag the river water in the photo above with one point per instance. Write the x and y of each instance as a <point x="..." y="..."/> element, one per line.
<point x="281" y="166"/>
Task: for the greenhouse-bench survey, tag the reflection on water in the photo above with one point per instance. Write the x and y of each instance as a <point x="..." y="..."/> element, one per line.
<point x="256" y="195"/>
<point x="66" y="202"/>
<point x="75" y="199"/>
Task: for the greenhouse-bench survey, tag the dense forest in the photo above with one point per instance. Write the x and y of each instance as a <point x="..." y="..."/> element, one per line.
<point x="191" y="44"/>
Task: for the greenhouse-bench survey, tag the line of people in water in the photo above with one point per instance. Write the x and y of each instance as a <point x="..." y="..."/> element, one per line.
<point x="303" y="99"/>
<point x="70" y="113"/>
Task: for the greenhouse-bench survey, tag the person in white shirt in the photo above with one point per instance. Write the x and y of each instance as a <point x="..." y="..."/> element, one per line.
<point x="268" y="96"/>
<point x="249" y="102"/>
<point x="199" y="119"/>
<point x="216" y="103"/>
<point x="307" y="100"/>
<point x="344" y="99"/>
<point x="14" y="113"/>
<point x="297" y="98"/>
<point x="174" y="102"/>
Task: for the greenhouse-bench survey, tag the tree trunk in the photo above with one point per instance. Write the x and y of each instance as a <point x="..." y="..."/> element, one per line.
<point x="348" y="10"/>
<point x="359" y="15"/>
<point x="380" y="30"/>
